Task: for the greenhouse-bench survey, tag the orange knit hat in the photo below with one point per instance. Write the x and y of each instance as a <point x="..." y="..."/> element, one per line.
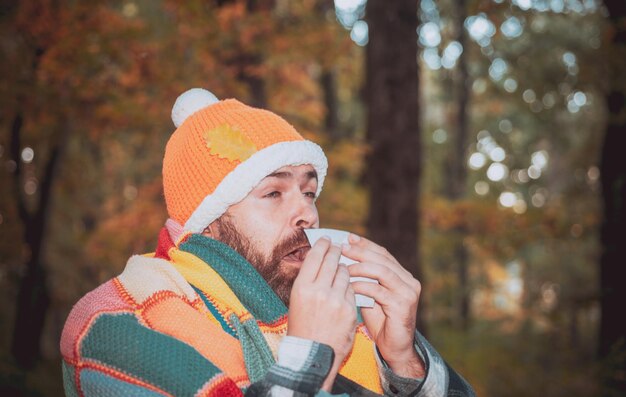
<point x="220" y="151"/>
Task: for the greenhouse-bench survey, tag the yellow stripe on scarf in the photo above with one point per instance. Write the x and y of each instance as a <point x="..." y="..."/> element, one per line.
<point x="203" y="277"/>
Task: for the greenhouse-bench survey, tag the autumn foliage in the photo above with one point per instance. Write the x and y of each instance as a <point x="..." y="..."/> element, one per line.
<point x="85" y="94"/>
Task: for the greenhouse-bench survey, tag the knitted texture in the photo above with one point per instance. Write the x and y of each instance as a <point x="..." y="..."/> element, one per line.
<point x="212" y="142"/>
<point x="141" y="334"/>
<point x="238" y="290"/>
<point x="183" y="326"/>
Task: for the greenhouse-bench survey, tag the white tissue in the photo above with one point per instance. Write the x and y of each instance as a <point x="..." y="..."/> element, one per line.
<point x="339" y="237"/>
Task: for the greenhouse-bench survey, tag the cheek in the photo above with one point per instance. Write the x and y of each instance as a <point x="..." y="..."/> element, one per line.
<point x="262" y="231"/>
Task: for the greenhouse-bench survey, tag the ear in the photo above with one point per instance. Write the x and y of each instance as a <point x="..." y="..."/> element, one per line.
<point x="210" y="231"/>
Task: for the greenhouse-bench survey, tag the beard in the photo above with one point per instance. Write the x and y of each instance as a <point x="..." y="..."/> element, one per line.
<point x="279" y="278"/>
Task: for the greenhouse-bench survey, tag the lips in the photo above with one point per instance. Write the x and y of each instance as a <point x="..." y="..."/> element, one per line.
<point x="298" y="254"/>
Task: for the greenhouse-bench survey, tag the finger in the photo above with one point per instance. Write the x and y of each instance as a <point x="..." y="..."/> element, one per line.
<point x="391" y="296"/>
<point x="342" y="278"/>
<point x="350" y="294"/>
<point x="313" y="261"/>
<point x="390" y="303"/>
<point x="407" y="287"/>
<point x="342" y="283"/>
<point x="362" y="254"/>
<point x="359" y="241"/>
<point x="381" y="295"/>
<point x="328" y="268"/>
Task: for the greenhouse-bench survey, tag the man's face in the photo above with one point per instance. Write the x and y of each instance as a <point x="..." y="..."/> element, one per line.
<point x="266" y="227"/>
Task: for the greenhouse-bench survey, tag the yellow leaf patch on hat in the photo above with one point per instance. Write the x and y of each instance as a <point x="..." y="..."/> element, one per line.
<point x="229" y="143"/>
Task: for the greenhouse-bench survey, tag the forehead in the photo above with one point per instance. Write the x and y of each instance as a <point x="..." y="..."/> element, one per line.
<point x="295" y="171"/>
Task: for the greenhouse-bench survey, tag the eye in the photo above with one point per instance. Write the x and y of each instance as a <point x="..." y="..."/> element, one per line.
<point x="310" y="195"/>
<point x="274" y="194"/>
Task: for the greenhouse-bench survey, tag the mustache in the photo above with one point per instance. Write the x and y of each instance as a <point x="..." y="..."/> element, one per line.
<point x="289" y="244"/>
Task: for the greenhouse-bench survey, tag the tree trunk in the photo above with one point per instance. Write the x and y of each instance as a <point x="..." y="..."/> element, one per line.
<point x="328" y="82"/>
<point x="256" y="83"/>
<point x="248" y="62"/>
<point x="613" y="177"/>
<point x="33" y="296"/>
<point x="458" y="170"/>
<point x="394" y="162"/>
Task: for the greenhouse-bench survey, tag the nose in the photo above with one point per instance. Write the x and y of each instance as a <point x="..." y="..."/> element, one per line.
<point x="305" y="213"/>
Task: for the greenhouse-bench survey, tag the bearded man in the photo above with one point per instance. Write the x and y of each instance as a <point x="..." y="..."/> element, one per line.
<point x="234" y="300"/>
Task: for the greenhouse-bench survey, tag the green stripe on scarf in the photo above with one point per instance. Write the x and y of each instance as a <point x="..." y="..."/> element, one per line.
<point x="242" y="278"/>
<point x="257" y="354"/>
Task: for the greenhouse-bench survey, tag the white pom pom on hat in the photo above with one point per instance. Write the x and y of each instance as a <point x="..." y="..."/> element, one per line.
<point x="190" y="102"/>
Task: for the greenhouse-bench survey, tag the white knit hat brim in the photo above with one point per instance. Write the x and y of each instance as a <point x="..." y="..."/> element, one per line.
<point x="240" y="181"/>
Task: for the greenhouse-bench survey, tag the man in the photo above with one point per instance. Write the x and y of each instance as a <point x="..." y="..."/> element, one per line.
<point x="206" y="314"/>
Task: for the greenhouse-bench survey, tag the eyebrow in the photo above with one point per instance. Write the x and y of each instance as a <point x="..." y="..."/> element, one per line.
<point x="288" y="174"/>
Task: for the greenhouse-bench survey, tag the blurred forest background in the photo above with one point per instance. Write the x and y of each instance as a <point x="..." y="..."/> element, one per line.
<point x="483" y="132"/>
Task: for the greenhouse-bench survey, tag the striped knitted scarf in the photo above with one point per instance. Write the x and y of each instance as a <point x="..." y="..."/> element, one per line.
<point x="245" y="307"/>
